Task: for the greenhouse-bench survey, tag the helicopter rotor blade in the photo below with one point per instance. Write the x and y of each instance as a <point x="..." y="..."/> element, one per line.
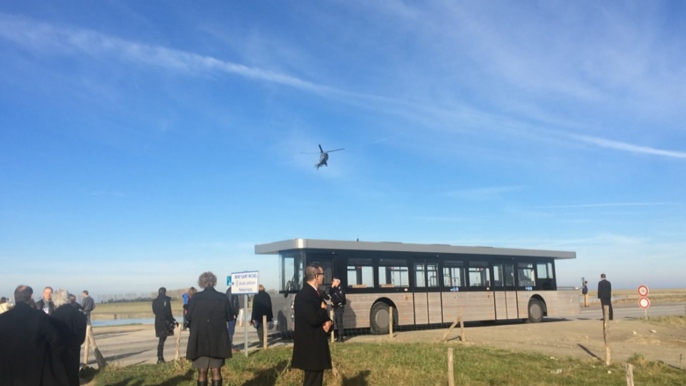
<point x="329" y="151"/>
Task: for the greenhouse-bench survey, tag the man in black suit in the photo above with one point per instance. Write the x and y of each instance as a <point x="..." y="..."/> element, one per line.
<point x="71" y="325"/>
<point x="30" y="345"/>
<point x="605" y="295"/>
<point x="312" y="323"/>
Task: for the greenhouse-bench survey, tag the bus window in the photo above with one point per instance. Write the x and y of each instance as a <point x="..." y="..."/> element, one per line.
<point x="503" y="275"/>
<point x="545" y="270"/>
<point x="291" y="269"/>
<point x="527" y="277"/>
<point x="479" y="274"/>
<point x="453" y="274"/>
<point x="545" y="276"/>
<point x="360" y="273"/>
<point x="426" y="275"/>
<point x="393" y="273"/>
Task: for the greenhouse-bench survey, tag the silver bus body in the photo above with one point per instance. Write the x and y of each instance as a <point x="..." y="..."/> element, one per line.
<point x="424" y="283"/>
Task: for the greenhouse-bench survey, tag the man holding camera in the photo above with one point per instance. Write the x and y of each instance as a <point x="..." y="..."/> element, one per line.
<point x="164" y="321"/>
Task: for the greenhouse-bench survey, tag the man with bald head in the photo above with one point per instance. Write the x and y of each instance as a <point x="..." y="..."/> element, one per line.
<point x="28" y="353"/>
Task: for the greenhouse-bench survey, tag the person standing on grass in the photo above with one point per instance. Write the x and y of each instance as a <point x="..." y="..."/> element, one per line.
<point x="46" y="305"/>
<point x="88" y="305"/>
<point x="164" y="321"/>
<point x="71" y="325"/>
<point x="235" y="306"/>
<point x="261" y="306"/>
<point x="310" y="344"/>
<point x="605" y="295"/>
<point x="209" y="344"/>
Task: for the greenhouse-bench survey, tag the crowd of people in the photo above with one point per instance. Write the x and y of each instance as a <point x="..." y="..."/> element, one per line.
<point x="41" y="341"/>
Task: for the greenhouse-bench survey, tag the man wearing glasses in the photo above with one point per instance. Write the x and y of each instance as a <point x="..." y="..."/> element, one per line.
<point x="312" y="323"/>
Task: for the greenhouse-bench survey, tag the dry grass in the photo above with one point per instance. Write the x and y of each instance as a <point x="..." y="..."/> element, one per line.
<point x="405" y="364"/>
<point x="656" y="296"/>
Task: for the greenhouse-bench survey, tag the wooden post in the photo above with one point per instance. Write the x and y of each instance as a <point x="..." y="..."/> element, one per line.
<point x="99" y="358"/>
<point x="450" y="329"/>
<point x="606" y="333"/>
<point x="462" y="336"/>
<point x="178" y="343"/>
<point x="390" y="322"/>
<point x="264" y="330"/>
<point x="451" y="375"/>
<point x="332" y="327"/>
<point x="86" y="348"/>
<point x="629" y="375"/>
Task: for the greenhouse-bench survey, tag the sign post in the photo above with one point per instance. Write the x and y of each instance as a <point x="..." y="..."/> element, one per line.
<point x="644" y="302"/>
<point x="245" y="283"/>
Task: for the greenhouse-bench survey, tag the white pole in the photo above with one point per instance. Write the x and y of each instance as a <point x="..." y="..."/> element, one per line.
<point x="247" y="323"/>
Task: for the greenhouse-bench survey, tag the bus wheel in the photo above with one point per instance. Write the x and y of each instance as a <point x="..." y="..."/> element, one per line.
<point x="535" y="311"/>
<point x="378" y="318"/>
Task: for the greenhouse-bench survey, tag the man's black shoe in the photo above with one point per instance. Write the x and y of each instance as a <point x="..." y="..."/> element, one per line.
<point x="160" y="360"/>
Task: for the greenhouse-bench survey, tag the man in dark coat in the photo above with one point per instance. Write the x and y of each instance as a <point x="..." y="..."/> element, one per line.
<point x="71" y="325"/>
<point x="261" y="305"/>
<point x="164" y="321"/>
<point x="46" y="305"/>
<point x="75" y="304"/>
<point x="88" y="305"/>
<point x="605" y="295"/>
<point x="337" y="297"/>
<point x="312" y="323"/>
<point x="209" y="343"/>
<point x="30" y="346"/>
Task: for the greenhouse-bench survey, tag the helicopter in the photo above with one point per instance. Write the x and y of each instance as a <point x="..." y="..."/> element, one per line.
<point x="324" y="156"/>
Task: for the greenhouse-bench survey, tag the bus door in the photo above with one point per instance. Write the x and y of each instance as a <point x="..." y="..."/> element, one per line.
<point x="504" y="290"/>
<point x="326" y="261"/>
<point x="427" y="295"/>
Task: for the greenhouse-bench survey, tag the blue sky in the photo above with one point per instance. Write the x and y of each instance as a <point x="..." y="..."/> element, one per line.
<point x="142" y="143"/>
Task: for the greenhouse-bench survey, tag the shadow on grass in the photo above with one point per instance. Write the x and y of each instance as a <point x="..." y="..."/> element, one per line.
<point x="589" y="352"/>
<point x="267" y="377"/>
<point x="359" y="380"/>
<point x="179" y="379"/>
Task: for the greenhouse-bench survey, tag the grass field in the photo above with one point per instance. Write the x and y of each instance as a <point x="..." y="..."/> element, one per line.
<point x="130" y="310"/>
<point x="404" y="364"/>
<point x="656" y="296"/>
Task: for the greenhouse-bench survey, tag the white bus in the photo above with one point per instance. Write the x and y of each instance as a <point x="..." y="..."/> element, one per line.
<point x="424" y="283"/>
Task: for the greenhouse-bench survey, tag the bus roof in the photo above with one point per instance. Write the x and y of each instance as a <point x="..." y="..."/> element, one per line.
<point x="294" y="244"/>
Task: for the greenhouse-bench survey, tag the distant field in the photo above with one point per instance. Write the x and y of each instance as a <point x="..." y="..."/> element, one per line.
<point x="143" y="310"/>
<point x="656" y="296"/>
<point x="133" y="310"/>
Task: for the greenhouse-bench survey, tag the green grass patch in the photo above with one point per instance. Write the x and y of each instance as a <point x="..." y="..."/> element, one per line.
<point x="405" y="364"/>
<point x="666" y="320"/>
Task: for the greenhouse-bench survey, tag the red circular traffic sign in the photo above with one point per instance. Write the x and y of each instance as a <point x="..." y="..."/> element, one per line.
<point x="643" y="290"/>
<point x="644" y="302"/>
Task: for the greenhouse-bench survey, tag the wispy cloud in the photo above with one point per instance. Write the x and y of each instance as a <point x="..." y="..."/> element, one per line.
<point x="605" y="205"/>
<point x="490" y="193"/>
<point x="628" y="147"/>
<point x="44" y="37"/>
